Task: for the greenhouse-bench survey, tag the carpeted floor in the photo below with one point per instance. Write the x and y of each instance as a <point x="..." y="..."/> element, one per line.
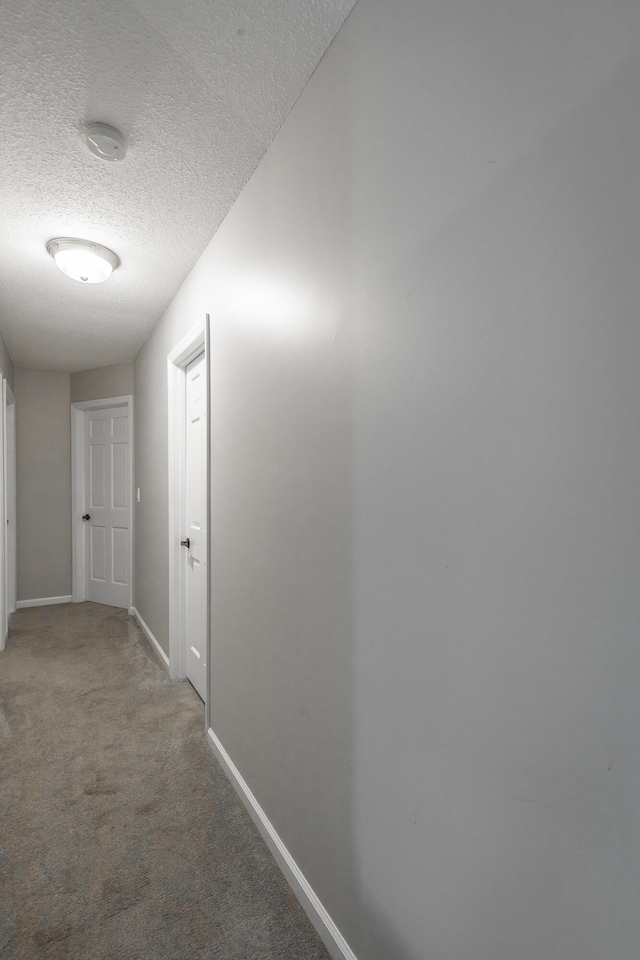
<point x="120" y="837"/>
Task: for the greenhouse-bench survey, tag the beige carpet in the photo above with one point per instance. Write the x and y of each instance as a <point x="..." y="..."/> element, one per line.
<point x="120" y="837"/>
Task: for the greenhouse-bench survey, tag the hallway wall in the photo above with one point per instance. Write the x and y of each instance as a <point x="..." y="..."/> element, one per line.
<point x="425" y="453"/>
<point x="6" y="363"/>
<point x="43" y="455"/>
<point x="43" y="466"/>
<point x="115" y="380"/>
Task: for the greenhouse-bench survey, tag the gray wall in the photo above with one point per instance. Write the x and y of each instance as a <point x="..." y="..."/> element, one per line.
<point x="102" y="382"/>
<point x="425" y="350"/>
<point x="151" y="566"/>
<point x="43" y="436"/>
<point x="6" y="363"/>
<point x="43" y="462"/>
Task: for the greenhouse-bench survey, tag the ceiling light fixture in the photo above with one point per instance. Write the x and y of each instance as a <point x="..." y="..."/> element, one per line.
<point x="83" y="260"/>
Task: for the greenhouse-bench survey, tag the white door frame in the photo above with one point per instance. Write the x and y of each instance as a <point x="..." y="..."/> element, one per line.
<point x="11" y="542"/>
<point x="193" y="344"/>
<point x="78" y="490"/>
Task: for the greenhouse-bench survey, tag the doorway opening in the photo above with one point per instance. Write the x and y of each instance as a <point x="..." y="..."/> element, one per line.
<point x="189" y="510"/>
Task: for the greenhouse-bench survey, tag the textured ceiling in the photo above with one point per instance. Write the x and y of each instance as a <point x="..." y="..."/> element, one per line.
<point x="198" y="89"/>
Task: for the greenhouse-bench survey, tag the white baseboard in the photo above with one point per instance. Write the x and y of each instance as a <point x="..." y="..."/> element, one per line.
<point x="152" y="640"/>
<point x="41" y="602"/>
<point x="326" y="928"/>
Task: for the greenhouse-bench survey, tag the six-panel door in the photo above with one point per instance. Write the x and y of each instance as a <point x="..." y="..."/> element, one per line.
<point x="107" y="501"/>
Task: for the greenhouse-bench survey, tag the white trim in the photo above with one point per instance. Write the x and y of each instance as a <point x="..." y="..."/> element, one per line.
<point x="103" y="403"/>
<point x="41" y="602"/>
<point x="150" y="637"/>
<point x="309" y="901"/>
<point x="182" y="354"/>
<point x="10" y="500"/>
<point x="190" y="346"/>
<point x="77" y="493"/>
<point x="77" y="489"/>
<point x="209" y="653"/>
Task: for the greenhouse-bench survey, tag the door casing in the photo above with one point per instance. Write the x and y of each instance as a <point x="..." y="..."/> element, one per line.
<point x="77" y="490"/>
<point x="182" y="354"/>
<point x="9" y="406"/>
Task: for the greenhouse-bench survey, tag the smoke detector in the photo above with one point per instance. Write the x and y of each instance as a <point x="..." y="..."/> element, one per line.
<point x="105" y="142"/>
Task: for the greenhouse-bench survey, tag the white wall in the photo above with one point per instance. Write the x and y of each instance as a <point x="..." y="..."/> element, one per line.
<point x="424" y="479"/>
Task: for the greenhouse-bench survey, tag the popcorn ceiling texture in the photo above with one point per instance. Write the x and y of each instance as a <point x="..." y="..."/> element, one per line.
<point x="198" y="90"/>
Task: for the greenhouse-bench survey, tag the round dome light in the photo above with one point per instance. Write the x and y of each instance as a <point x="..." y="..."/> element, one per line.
<point x="83" y="260"/>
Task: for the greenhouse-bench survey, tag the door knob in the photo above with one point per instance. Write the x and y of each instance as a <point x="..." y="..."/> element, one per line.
<point x="185" y="543"/>
<point x="87" y="516"/>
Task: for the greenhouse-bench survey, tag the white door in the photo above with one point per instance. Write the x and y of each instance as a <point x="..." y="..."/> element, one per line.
<point x="195" y="535"/>
<point x="107" y="505"/>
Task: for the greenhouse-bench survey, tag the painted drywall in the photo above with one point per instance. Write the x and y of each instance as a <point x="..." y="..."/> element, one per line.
<point x="425" y="461"/>
<point x="43" y="465"/>
<point x="115" y="380"/>
<point x="151" y="513"/>
<point x="6" y="363"/>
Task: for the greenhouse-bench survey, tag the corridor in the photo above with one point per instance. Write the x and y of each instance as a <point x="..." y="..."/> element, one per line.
<point x="120" y="836"/>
